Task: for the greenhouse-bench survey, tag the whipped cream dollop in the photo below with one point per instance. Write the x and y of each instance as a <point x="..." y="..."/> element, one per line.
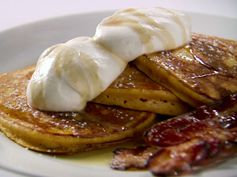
<point x="69" y="75"/>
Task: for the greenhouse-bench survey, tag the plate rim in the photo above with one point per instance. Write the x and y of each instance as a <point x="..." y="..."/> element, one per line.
<point x="46" y="20"/>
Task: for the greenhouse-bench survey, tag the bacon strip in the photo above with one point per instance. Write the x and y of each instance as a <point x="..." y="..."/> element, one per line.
<point x="191" y="141"/>
<point x="125" y="158"/>
<point x="189" y="156"/>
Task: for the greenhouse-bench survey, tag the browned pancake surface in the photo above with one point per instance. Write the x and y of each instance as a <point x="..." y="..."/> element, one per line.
<point x="133" y="78"/>
<point x="67" y="132"/>
<point x="134" y="90"/>
<point x="203" y="71"/>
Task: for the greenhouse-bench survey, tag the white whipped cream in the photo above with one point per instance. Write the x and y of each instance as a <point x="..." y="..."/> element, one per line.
<point x="133" y="32"/>
<point x="69" y="75"/>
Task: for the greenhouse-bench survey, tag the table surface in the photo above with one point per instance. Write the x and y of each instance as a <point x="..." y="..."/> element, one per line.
<point x="14" y="13"/>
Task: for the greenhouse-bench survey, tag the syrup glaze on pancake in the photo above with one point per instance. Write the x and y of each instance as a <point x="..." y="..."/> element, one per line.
<point x="133" y="78"/>
<point x="201" y="72"/>
<point x="63" y="132"/>
<point x="134" y="90"/>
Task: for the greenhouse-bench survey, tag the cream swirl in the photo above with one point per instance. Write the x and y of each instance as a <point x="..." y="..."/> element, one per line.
<point x="69" y="75"/>
<point x="133" y="32"/>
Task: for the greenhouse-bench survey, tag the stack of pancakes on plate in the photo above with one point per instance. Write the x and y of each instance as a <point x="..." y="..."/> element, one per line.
<point x="168" y="83"/>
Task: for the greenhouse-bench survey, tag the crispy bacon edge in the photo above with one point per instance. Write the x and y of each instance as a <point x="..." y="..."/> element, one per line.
<point x="186" y="143"/>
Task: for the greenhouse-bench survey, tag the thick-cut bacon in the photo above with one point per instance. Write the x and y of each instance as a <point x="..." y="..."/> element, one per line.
<point x="179" y="145"/>
<point x="132" y="158"/>
<point x="189" y="156"/>
<point x="169" y="161"/>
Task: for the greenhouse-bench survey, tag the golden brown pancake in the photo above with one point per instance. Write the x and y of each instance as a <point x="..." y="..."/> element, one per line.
<point x="69" y="132"/>
<point x="134" y="90"/>
<point x="201" y="72"/>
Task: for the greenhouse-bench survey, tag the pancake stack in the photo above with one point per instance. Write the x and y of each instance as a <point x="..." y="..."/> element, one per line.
<point x="167" y="83"/>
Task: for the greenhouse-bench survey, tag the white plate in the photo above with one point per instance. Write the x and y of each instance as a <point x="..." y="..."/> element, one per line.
<point x="22" y="45"/>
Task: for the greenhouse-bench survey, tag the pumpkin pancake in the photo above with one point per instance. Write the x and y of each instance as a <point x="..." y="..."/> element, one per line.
<point x="134" y="90"/>
<point x="63" y="132"/>
<point x="199" y="73"/>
